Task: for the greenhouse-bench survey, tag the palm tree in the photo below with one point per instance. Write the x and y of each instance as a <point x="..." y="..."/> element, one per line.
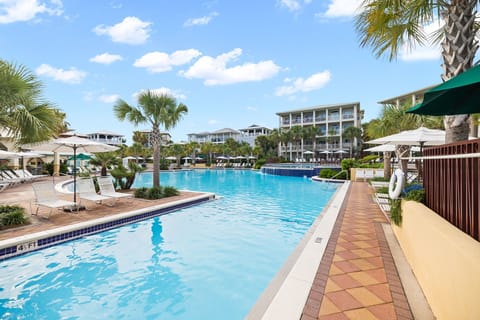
<point x="388" y="25"/>
<point x="104" y="160"/>
<point x="23" y="111"/>
<point x="157" y="110"/>
<point x="352" y="133"/>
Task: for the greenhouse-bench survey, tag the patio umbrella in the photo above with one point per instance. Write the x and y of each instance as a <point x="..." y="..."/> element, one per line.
<point x="171" y="158"/>
<point x="74" y="143"/>
<point x="420" y="136"/>
<point x="459" y="95"/>
<point x="308" y="152"/>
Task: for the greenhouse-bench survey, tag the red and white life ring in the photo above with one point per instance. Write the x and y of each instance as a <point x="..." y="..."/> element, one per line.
<point x="394" y="190"/>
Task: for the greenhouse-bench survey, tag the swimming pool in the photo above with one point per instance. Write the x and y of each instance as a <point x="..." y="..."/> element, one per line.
<point x="210" y="261"/>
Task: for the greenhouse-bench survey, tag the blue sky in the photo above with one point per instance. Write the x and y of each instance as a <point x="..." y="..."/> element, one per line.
<point x="233" y="63"/>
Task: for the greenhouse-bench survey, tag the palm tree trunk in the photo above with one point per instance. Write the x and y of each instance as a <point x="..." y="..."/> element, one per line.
<point x="387" y="165"/>
<point x="156" y="155"/>
<point x="458" y="52"/>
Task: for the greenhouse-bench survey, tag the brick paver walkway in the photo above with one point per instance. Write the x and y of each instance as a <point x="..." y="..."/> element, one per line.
<point x="357" y="278"/>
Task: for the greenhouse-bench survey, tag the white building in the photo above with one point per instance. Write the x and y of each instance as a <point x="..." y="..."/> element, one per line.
<point x="248" y="135"/>
<point x="107" y="137"/>
<point x="330" y="122"/>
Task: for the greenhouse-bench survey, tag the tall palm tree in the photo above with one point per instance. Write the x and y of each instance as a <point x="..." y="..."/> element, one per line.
<point x="23" y="111"/>
<point x="387" y="25"/>
<point x="352" y="133"/>
<point x="157" y="110"/>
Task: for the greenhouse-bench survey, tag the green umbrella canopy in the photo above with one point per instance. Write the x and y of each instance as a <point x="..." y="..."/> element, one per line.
<point x="459" y="95"/>
<point x="81" y="156"/>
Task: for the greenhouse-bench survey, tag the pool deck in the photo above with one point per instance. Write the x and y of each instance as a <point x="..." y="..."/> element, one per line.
<point x="357" y="278"/>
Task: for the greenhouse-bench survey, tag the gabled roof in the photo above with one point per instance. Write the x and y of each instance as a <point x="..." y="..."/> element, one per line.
<point x="226" y="130"/>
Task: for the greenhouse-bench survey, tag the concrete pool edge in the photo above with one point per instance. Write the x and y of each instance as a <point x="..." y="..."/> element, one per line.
<point x="16" y="246"/>
<point x="287" y="293"/>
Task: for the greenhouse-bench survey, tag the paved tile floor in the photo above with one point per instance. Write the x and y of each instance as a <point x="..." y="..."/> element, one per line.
<point x="357" y="278"/>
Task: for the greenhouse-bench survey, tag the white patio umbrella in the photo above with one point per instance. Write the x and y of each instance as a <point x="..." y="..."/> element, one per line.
<point x="308" y="152"/>
<point x="421" y="136"/>
<point x="171" y="158"/>
<point x="388" y="148"/>
<point x="341" y="151"/>
<point x="74" y="143"/>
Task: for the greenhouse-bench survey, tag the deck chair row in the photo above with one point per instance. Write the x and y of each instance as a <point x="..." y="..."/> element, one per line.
<point x="47" y="196"/>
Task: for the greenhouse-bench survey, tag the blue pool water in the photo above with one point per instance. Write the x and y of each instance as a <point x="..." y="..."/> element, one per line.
<point x="210" y="261"/>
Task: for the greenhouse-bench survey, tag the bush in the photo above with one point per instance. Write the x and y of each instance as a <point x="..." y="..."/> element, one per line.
<point x="12" y="215"/>
<point x="327" y="173"/>
<point x="156" y="193"/>
<point x="348" y="163"/>
<point x="141" y="193"/>
<point x="260" y="163"/>
<point x="396" y="211"/>
<point x="170" y="192"/>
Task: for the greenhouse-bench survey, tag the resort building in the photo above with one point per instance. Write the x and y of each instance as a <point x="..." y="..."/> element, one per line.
<point x="248" y="135"/>
<point x="410" y="98"/>
<point x="107" y="137"/>
<point x="330" y="121"/>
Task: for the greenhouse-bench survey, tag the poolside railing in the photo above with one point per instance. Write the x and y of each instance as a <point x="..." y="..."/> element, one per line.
<point x="451" y="180"/>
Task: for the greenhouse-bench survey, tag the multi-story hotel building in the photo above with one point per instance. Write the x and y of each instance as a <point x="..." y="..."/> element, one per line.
<point x="330" y="122"/>
<point x="220" y="136"/>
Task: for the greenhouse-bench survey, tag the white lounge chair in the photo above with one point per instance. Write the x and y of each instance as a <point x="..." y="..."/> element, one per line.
<point x="107" y="188"/>
<point x="86" y="191"/>
<point x="46" y="196"/>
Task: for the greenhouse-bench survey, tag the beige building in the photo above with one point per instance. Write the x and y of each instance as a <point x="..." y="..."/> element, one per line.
<point x="330" y="122"/>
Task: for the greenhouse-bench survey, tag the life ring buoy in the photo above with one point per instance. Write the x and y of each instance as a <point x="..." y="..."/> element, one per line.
<point x="394" y="190"/>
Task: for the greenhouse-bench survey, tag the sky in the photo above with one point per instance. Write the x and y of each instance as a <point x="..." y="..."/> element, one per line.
<point x="232" y="63"/>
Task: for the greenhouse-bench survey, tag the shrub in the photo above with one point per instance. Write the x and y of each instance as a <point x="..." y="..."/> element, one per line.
<point x="348" y="163"/>
<point x="154" y="193"/>
<point x="12" y="215"/>
<point x="170" y="192"/>
<point x="382" y="190"/>
<point x="327" y="173"/>
<point x="260" y="163"/>
<point x="396" y="211"/>
<point x="141" y="193"/>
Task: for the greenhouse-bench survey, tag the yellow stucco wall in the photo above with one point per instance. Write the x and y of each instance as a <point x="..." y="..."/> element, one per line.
<point x="445" y="261"/>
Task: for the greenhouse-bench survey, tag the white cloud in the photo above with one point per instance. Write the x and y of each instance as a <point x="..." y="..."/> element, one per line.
<point x="69" y="76"/>
<point x="164" y="91"/>
<point x="161" y="62"/>
<point x="131" y="30"/>
<point x="250" y="108"/>
<point x="25" y="10"/>
<point x="314" y="82"/>
<point x="214" y="71"/>
<point x="212" y="122"/>
<point x="293" y="5"/>
<point x="106" y="58"/>
<point x="341" y="8"/>
<point x="108" y="98"/>
<point x="200" y="21"/>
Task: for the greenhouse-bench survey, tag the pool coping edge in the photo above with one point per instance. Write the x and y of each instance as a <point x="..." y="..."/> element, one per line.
<point x="287" y="293"/>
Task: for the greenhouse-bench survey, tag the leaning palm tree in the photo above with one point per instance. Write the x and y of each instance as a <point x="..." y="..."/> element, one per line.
<point x="386" y="26"/>
<point x="157" y="110"/>
<point x="23" y="110"/>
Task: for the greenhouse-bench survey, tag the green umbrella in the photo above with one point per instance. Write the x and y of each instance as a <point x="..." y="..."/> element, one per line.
<point x="81" y="156"/>
<point x="459" y="95"/>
